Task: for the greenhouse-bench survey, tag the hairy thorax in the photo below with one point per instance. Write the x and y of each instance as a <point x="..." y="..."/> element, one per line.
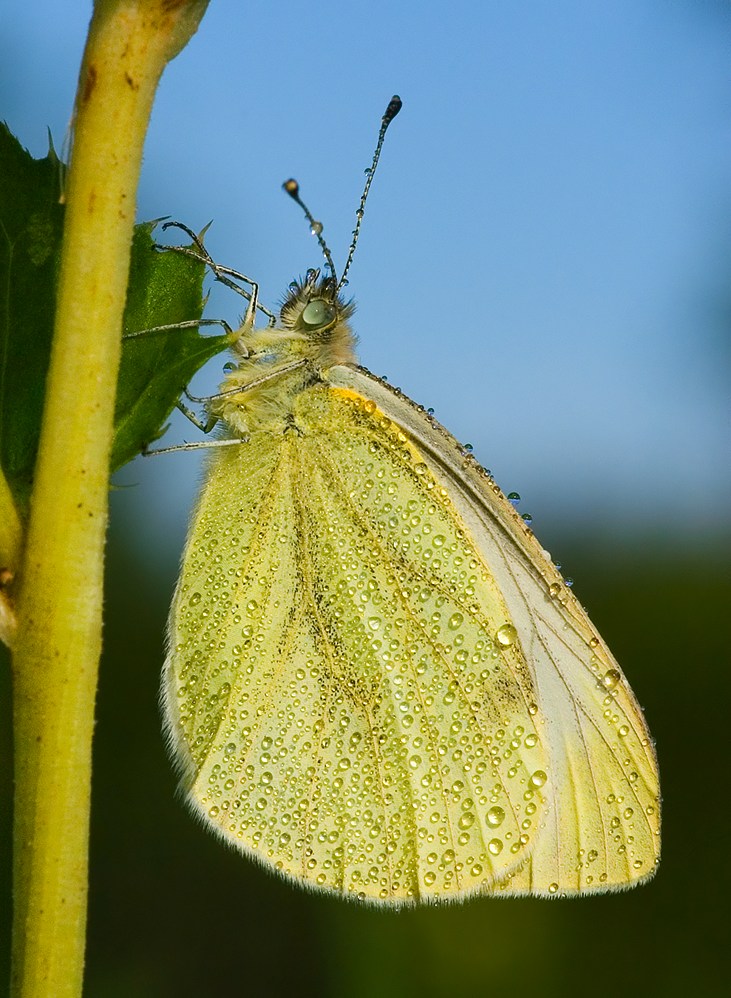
<point x="268" y="389"/>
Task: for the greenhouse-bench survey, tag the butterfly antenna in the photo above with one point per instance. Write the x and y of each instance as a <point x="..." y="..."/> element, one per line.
<point x="293" y="189"/>
<point x="394" y="106"/>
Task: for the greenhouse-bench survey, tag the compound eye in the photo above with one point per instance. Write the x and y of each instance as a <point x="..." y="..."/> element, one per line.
<point x="317" y="313"/>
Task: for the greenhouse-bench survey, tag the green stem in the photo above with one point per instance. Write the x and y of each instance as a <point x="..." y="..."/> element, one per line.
<point x="58" y="641"/>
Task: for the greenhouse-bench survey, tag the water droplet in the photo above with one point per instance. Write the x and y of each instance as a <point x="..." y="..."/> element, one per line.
<point x="538" y="779"/>
<point x="514" y="498"/>
<point x="495" y="817"/>
<point x="316" y="228"/>
<point x="455" y="621"/>
<point x="506" y="635"/>
<point x="611" y="678"/>
<point x="554" y="589"/>
<point x="195" y="599"/>
<point x="495" y="846"/>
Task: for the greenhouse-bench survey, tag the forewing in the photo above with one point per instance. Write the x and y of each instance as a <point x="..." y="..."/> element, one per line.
<point x="601" y="827"/>
<point x="336" y="687"/>
<point x="434" y="711"/>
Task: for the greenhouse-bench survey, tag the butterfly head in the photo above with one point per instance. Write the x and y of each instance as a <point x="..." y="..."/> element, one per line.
<point x="314" y="307"/>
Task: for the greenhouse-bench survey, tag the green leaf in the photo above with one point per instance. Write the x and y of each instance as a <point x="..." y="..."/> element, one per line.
<point x="164" y="288"/>
<point x="31" y="223"/>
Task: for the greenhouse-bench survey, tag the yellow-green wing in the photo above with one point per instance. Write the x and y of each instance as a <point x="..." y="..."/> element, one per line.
<point x="601" y="829"/>
<point x="345" y="690"/>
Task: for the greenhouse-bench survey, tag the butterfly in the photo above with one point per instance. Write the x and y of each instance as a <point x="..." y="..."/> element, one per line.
<point x="378" y="684"/>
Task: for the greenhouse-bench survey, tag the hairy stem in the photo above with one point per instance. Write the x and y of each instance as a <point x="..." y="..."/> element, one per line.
<point x="59" y="611"/>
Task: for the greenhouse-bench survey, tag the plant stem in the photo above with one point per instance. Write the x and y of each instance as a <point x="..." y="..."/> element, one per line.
<point x="58" y="641"/>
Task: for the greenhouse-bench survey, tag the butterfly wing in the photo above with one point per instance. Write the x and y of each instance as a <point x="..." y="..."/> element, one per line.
<point x="344" y="690"/>
<point x="601" y="828"/>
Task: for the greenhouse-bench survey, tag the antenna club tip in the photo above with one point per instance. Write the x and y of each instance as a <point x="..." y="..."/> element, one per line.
<point x="394" y="106"/>
<point x="291" y="187"/>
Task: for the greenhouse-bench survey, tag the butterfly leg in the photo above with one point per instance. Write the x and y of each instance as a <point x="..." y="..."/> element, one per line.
<point x="206" y="427"/>
<point x="187" y="324"/>
<point x="225" y="275"/>
<point x="234" y="442"/>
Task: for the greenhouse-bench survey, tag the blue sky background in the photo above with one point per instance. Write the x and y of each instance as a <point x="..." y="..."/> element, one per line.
<point x="544" y="257"/>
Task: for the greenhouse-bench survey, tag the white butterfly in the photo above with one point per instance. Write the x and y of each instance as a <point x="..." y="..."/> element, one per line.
<point x="377" y="681"/>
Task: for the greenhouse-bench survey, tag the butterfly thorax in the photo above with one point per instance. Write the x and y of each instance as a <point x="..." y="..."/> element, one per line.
<point x="314" y="329"/>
